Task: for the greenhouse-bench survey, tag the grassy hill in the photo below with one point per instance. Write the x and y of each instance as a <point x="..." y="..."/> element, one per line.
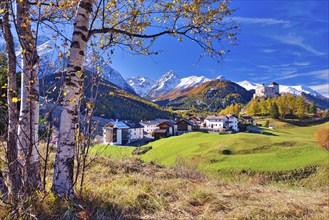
<point x="287" y="151"/>
<point x="211" y="96"/>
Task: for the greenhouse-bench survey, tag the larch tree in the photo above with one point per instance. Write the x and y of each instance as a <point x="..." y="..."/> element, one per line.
<point x="133" y="26"/>
<point x="11" y="151"/>
<point x="300" y="108"/>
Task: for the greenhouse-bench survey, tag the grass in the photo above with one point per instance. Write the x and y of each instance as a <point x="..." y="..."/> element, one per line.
<point x="111" y="151"/>
<point x="131" y="189"/>
<point x="287" y="150"/>
<point x="121" y="186"/>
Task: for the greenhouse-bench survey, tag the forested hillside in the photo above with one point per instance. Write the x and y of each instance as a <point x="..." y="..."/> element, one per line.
<point x="210" y="96"/>
<point x="111" y="101"/>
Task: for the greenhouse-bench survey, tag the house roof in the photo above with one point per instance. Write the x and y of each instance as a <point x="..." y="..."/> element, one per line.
<point x="168" y="122"/>
<point x="160" y="131"/>
<point x="157" y="122"/>
<point x="187" y="121"/>
<point x="118" y="124"/>
<point x="133" y="124"/>
<point x="274" y="83"/>
<point x="216" y="117"/>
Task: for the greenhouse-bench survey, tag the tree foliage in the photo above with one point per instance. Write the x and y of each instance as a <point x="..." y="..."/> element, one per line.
<point x="232" y="109"/>
<point x="322" y="136"/>
<point x="278" y="107"/>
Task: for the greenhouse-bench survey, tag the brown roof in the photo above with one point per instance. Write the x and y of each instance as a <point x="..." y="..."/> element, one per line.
<point x="160" y="131"/>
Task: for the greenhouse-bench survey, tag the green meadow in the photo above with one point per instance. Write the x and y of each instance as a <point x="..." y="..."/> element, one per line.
<point x="284" y="148"/>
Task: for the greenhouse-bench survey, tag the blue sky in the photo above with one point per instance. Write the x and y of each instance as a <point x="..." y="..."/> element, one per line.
<point x="284" y="41"/>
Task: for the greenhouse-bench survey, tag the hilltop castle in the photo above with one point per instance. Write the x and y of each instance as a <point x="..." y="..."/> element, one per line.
<point x="267" y="91"/>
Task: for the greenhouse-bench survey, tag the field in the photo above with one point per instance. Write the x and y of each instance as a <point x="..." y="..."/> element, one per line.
<point x="276" y="151"/>
<point x="276" y="174"/>
<point x="280" y="174"/>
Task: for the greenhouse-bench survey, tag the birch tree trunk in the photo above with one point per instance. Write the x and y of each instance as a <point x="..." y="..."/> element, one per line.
<point x="28" y="156"/>
<point x="11" y="154"/>
<point x="64" y="162"/>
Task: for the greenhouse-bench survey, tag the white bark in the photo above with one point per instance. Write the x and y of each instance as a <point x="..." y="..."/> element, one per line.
<point x="64" y="162"/>
<point x="28" y="123"/>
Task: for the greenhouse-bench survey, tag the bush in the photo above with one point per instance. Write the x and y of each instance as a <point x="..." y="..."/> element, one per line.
<point x="227" y="152"/>
<point x="322" y="136"/>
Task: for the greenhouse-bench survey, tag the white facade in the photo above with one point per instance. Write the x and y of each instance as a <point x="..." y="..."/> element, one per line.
<point x="149" y="128"/>
<point x="267" y="91"/>
<point x="136" y="133"/>
<point x="222" y="122"/>
<point x="233" y="122"/>
<point x="216" y="123"/>
<point x="120" y="133"/>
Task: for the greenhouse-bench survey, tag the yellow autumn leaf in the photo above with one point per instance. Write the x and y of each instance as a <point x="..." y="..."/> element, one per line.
<point x="14" y="99"/>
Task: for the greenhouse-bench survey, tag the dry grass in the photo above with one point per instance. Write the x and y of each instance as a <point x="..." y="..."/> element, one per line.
<point x="131" y="189"/>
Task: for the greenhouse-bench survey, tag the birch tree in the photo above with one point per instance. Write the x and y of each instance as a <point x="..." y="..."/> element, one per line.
<point x="11" y="151"/>
<point x="27" y="145"/>
<point x="64" y="162"/>
<point x="133" y="26"/>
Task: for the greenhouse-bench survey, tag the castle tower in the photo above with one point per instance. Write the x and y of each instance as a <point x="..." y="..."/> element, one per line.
<point x="276" y="87"/>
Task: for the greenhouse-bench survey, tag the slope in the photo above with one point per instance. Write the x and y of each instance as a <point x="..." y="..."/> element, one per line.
<point x="284" y="149"/>
<point x="211" y="95"/>
<point x="112" y="102"/>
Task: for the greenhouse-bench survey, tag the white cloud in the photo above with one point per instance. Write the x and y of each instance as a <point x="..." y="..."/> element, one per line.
<point x="269" y="51"/>
<point x="323" y="89"/>
<point x="301" y="63"/>
<point x="297" y="41"/>
<point x="322" y="74"/>
<point x="265" y="21"/>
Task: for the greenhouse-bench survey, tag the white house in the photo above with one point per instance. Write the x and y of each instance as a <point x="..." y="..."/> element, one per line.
<point x="221" y="122"/>
<point x="151" y="126"/>
<point x="136" y="130"/>
<point x="115" y="133"/>
<point x="233" y="122"/>
<point x="121" y="133"/>
<point x="216" y="122"/>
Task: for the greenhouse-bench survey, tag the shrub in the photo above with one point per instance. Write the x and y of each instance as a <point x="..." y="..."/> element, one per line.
<point x="322" y="136"/>
<point x="227" y="152"/>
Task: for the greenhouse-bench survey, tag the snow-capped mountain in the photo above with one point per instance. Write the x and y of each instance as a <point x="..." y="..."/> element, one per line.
<point x="171" y="82"/>
<point x="107" y="72"/>
<point x="53" y="58"/>
<point x="248" y="85"/>
<point x="140" y="84"/>
<point x="191" y="81"/>
<point x="295" y="90"/>
<point x="166" y="83"/>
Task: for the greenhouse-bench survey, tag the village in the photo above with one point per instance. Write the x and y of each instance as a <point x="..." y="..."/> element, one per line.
<point x="126" y="132"/>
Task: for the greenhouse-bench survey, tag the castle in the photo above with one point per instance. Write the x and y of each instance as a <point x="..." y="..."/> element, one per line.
<point x="267" y="91"/>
